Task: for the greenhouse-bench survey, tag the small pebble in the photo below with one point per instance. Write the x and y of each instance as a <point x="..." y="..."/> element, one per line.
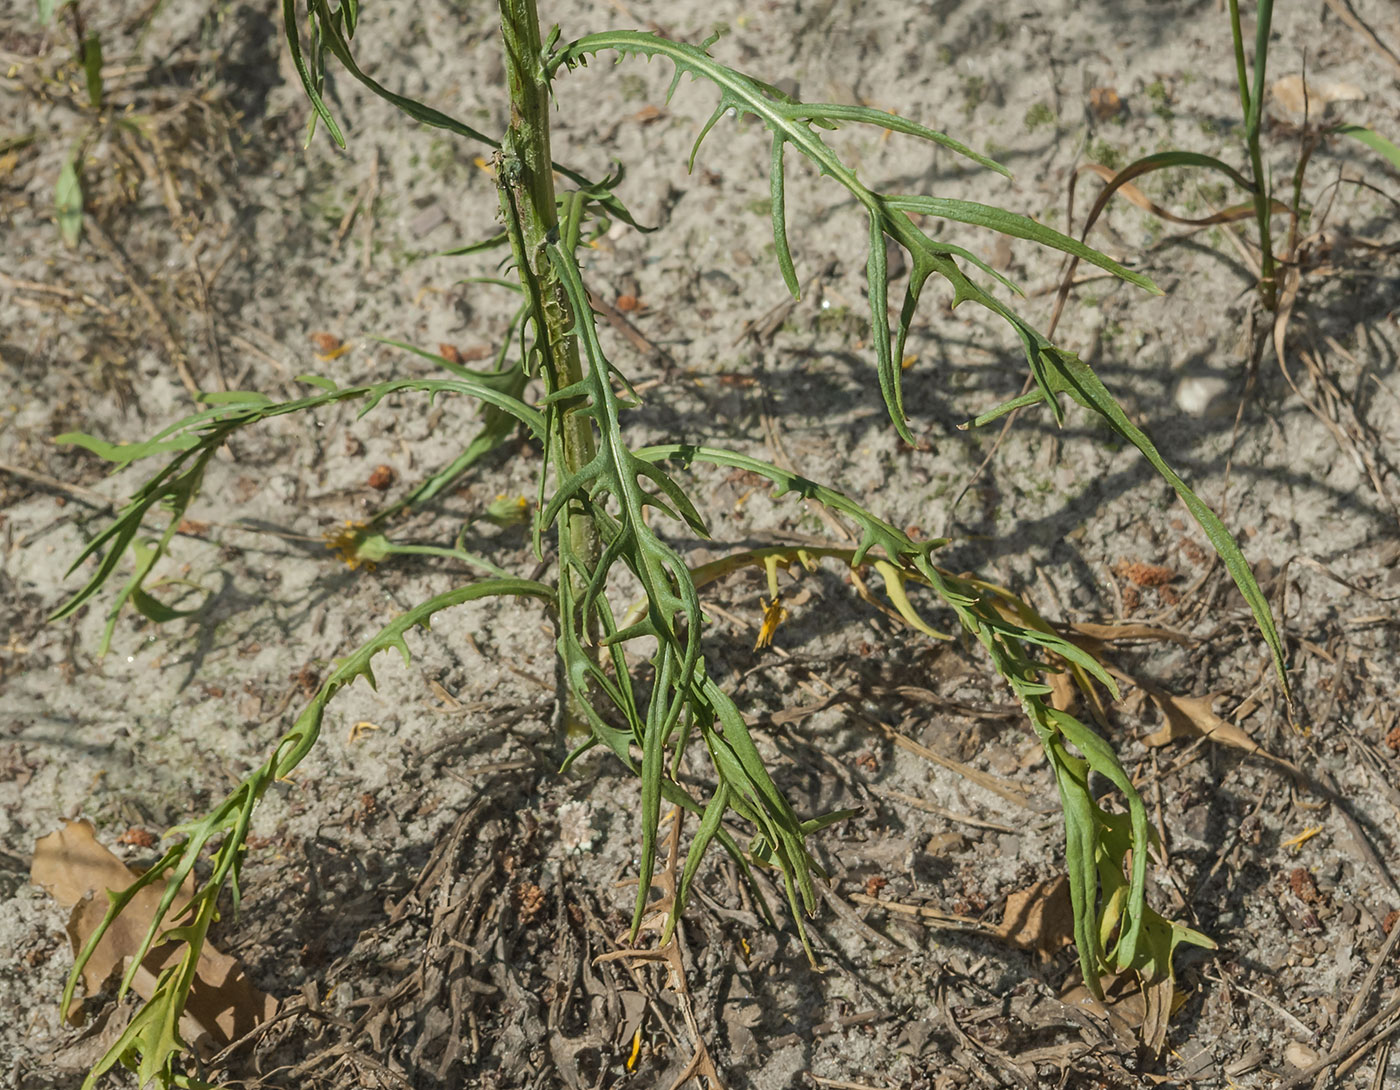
<point x="1206" y="396"/>
<point x="1300" y="1055"/>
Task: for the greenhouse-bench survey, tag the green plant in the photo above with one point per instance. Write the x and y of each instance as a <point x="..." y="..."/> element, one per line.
<point x="1039" y="115"/>
<point x="1156" y="93"/>
<point x="68" y="191"/>
<point x="1251" y="179"/>
<point x="594" y="491"/>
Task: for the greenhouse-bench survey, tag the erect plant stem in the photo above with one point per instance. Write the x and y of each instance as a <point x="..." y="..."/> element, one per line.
<point x="1252" y="103"/>
<point x="525" y="181"/>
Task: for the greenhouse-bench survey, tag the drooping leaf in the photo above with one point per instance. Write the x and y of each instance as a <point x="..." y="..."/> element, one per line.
<point x="1009" y="223"/>
<point x="1073" y="376"/>
<point x="800" y="125"/>
<point x="151" y="1042"/>
<point x="194" y="440"/>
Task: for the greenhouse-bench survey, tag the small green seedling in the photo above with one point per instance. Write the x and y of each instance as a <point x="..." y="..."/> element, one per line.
<point x="1252" y="180"/>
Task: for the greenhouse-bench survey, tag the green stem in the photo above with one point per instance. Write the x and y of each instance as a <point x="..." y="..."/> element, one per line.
<point x="1252" y="106"/>
<point x="465" y="557"/>
<point x="525" y="180"/>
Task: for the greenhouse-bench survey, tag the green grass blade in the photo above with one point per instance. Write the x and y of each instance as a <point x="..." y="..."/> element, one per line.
<point x="92" y="68"/>
<point x="68" y="203"/>
<point x="1165" y="159"/>
<point x="1373" y="140"/>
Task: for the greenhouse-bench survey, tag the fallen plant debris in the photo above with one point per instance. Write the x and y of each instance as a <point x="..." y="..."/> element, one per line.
<point x="81" y="875"/>
<point x="1039" y="918"/>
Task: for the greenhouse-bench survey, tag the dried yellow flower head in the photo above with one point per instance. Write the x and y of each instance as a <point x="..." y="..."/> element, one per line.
<point x="774" y="614"/>
<point x="357" y="547"/>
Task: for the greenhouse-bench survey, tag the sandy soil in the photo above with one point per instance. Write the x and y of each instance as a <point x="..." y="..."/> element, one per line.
<point x="428" y="898"/>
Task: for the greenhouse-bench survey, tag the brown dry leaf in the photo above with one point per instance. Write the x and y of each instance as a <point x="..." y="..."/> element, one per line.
<point x="1108" y="633"/>
<point x="1193" y="716"/>
<point x="1134" y="1010"/>
<point x="1039" y="918"/>
<point x="1291" y="93"/>
<point x="452" y="354"/>
<point x="75" y="870"/>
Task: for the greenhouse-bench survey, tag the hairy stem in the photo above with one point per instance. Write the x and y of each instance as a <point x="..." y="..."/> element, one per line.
<point x="525" y="180"/>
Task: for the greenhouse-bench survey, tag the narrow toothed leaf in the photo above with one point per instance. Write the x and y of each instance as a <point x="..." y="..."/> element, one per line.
<point x="310" y="83"/>
<point x="834" y="112"/>
<point x="1016" y="226"/>
<point x="877" y="285"/>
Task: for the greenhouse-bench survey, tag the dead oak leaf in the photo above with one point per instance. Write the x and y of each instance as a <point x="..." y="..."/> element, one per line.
<point x="1039" y="918"/>
<point x="1194" y="716"/>
<point x="76" y="870"/>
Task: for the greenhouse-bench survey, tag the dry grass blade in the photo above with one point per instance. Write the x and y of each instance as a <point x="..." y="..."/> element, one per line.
<point x="1363" y="994"/>
<point x="160" y="324"/>
<point x="1006" y="789"/>
<point x="1376" y="1029"/>
<point x="1330" y="407"/>
<point x="1116" y="182"/>
<point x="1343" y="11"/>
<point x="931" y="916"/>
<point x="942" y="811"/>
<point x="1135" y="196"/>
<point x="670" y="955"/>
